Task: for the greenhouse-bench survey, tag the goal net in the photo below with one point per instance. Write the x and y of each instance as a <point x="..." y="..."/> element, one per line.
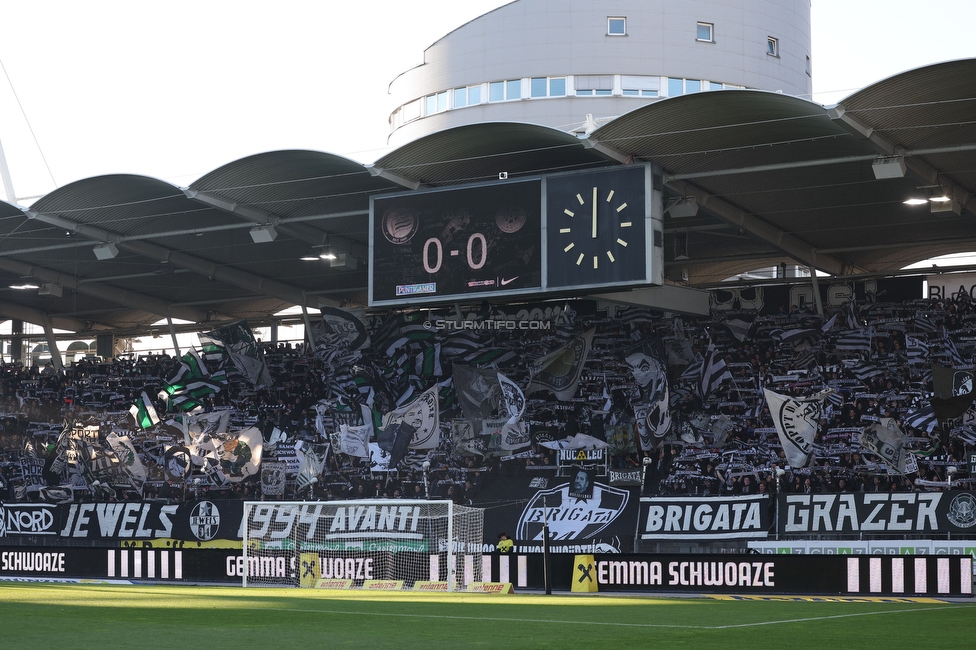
<point x="375" y="543"/>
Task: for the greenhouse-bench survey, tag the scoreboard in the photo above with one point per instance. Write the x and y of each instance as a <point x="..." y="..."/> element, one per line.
<point x="556" y="233"/>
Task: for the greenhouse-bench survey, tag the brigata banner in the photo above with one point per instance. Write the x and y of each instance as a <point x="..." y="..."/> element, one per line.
<point x="880" y="513"/>
<point x="703" y="518"/>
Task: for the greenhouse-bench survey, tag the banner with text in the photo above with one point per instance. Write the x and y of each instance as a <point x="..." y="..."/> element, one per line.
<point x="701" y="518"/>
<point x="878" y="513"/>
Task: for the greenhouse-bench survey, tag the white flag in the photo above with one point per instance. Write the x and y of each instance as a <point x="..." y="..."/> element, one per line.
<point x="797" y="420"/>
<point x="354" y="441"/>
<point x="423" y="415"/>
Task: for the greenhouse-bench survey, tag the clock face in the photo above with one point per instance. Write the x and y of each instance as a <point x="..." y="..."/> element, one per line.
<point x="595" y="228"/>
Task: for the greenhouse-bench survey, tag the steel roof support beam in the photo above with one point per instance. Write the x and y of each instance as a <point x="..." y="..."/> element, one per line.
<point x="929" y="174"/>
<point x="605" y="150"/>
<point x="393" y="177"/>
<point x="52" y="344"/>
<point x="793" y="246"/>
<point x="37" y="317"/>
<point x="105" y="292"/>
<point x="291" y="228"/>
<point x="206" y="268"/>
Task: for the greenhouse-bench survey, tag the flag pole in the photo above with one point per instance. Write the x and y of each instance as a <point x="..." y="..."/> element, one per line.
<point x="545" y="547"/>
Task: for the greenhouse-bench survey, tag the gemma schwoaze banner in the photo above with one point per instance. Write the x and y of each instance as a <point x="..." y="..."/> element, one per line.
<point x="702" y="518"/>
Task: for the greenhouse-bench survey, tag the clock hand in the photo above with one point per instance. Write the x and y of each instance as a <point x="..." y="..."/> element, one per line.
<point x="594" y="213"/>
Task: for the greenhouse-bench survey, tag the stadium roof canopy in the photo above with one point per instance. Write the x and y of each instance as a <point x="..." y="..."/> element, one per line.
<point x="776" y="179"/>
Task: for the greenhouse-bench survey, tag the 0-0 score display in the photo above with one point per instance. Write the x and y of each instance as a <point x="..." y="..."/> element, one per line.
<point x="457" y="242"/>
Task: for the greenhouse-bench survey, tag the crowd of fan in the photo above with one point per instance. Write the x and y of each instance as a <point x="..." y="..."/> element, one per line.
<point x="718" y="443"/>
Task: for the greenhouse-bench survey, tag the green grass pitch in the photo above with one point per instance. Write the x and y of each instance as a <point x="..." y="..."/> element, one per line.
<point x="37" y="616"/>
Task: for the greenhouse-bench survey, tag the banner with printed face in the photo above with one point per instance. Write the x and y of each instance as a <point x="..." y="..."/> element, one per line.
<point x="530" y="498"/>
<point x="423" y="414"/>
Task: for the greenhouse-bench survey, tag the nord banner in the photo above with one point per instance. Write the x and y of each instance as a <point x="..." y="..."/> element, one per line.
<point x="703" y="518"/>
<point x="194" y="521"/>
<point x="895" y="513"/>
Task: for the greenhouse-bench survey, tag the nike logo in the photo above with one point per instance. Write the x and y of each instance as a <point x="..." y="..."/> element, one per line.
<point x="509" y="280"/>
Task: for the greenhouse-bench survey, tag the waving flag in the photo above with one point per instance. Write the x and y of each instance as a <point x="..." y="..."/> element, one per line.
<point x="797" y="420"/>
<point x="513" y="397"/>
<point x="713" y="371"/>
<point x="954" y="394"/>
<point x="423" y="416"/>
<point x="560" y="370"/>
<point x="886" y="439"/>
<point x="236" y="341"/>
<point x="144" y="412"/>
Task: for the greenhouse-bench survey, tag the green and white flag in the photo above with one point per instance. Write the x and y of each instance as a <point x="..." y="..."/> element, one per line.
<point x="127" y="456"/>
<point x="236" y="343"/>
<point x="144" y="412"/>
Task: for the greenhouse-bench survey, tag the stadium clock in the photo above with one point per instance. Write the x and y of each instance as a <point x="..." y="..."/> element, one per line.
<point x="596" y="228"/>
<point x="459" y="242"/>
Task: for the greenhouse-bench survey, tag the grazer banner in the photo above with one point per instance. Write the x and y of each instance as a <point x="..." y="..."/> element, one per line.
<point x="883" y="513"/>
<point x="704" y="518"/>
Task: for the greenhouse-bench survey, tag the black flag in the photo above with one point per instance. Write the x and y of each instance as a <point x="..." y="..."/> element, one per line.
<point x="953" y="396"/>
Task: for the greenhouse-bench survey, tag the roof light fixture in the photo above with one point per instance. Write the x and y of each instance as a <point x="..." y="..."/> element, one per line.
<point x="889" y="167"/>
<point x="106" y="251"/>
<point x="263" y="234"/>
<point x="682" y="206"/>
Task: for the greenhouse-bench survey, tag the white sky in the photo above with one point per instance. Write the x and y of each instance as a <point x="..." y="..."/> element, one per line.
<point x="176" y="89"/>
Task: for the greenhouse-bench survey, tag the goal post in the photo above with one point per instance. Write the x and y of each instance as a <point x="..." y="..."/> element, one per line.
<point x="354" y="544"/>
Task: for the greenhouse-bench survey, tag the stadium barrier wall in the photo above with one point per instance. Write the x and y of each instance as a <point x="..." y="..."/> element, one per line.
<point x="828" y="575"/>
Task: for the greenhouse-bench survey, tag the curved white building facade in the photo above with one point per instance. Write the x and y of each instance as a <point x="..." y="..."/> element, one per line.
<point x="555" y="62"/>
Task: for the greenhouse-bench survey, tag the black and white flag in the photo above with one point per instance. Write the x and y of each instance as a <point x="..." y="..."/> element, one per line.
<point x="560" y="370"/>
<point x="858" y="340"/>
<point x="886" y="439"/>
<point x="797" y="420"/>
<point x="714" y="371"/>
<point x="513" y="398"/>
<point x="423" y="416"/>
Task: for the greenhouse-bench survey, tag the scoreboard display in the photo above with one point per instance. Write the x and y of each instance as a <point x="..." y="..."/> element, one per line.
<point x="554" y="233"/>
<point x="456" y="242"/>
